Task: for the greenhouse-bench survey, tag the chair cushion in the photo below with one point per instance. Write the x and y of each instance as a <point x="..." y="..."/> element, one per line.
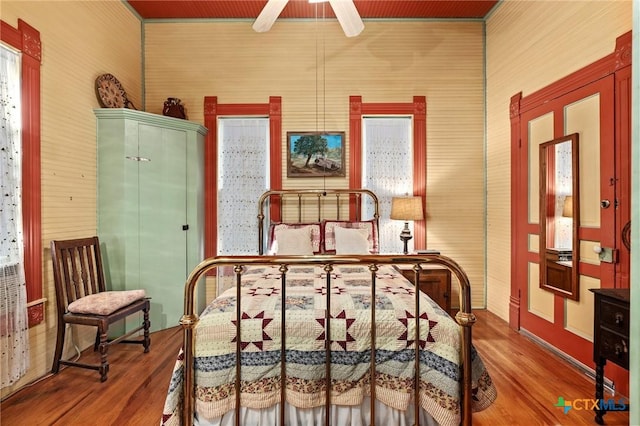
<point x="106" y="302"/>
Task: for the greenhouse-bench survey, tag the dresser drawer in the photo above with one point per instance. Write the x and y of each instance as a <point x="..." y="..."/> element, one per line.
<point x="614" y="347"/>
<point x="614" y="316"/>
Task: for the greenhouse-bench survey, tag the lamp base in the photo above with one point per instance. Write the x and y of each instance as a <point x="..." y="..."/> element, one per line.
<point x="405" y="236"/>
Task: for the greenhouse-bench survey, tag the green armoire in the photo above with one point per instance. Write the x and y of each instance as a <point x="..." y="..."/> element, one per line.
<point x="151" y="206"/>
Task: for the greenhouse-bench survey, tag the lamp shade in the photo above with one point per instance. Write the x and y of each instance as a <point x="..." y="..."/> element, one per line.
<point x="567" y="208"/>
<point x="406" y="208"/>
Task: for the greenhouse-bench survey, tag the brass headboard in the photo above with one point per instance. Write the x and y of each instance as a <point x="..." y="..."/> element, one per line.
<point x="346" y="204"/>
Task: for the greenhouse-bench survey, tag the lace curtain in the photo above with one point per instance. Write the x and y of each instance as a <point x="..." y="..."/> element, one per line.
<point x="243" y="175"/>
<point x="14" y="333"/>
<point x="387" y="171"/>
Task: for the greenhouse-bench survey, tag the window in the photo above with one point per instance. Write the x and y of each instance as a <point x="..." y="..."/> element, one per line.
<point x="387" y="170"/>
<point x="212" y="112"/>
<point x="243" y="175"/>
<point x="20" y="245"/>
<point x="417" y="110"/>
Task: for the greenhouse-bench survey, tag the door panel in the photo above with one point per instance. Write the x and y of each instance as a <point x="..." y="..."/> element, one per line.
<point x="540" y="130"/>
<point x="540" y="301"/>
<point x="582" y="117"/>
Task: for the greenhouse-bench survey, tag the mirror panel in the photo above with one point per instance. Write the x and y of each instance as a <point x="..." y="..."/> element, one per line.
<point x="559" y="216"/>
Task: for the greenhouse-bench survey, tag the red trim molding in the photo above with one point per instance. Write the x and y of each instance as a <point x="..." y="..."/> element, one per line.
<point x="418" y="109"/>
<point x="27" y="39"/>
<point x="213" y="110"/>
<point x="35" y="314"/>
<point x="518" y="236"/>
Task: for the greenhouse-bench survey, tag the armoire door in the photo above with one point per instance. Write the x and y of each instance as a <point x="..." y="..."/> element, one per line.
<point x="162" y="215"/>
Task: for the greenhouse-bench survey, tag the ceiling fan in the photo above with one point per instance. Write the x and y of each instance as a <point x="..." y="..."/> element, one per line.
<point x="345" y="11"/>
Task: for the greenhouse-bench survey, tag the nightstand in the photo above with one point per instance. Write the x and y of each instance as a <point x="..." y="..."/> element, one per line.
<point x="610" y="335"/>
<point x="434" y="281"/>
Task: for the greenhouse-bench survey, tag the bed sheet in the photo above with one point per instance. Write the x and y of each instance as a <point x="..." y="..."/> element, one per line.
<point x="350" y="308"/>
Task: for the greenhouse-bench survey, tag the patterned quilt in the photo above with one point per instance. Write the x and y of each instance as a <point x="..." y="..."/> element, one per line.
<point x="350" y="340"/>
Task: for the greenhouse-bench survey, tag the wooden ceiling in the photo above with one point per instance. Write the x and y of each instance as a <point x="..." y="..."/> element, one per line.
<point x="302" y="9"/>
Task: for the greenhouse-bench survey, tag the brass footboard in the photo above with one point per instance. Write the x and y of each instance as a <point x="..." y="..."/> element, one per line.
<point x="464" y="318"/>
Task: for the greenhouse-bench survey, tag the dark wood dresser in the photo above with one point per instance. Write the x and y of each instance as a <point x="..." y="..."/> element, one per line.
<point x="434" y="281"/>
<point x="610" y="335"/>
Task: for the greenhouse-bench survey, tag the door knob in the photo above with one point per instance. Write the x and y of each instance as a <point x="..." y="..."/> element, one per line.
<point x="605" y="204"/>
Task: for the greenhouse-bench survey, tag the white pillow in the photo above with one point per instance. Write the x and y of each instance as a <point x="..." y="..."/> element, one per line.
<point x="293" y="241"/>
<point x="351" y="240"/>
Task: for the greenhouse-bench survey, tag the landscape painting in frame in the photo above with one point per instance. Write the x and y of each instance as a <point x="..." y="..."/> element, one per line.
<point x="315" y="154"/>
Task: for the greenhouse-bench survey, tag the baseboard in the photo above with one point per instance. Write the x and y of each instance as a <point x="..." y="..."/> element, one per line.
<point x="588" y="371"/>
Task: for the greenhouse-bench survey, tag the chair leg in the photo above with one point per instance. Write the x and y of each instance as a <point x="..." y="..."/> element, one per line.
<point x="147" y="325"/>
<point x="59" y="346"/>
<point x="104" y="348"/>
<point x="96" y="344"/>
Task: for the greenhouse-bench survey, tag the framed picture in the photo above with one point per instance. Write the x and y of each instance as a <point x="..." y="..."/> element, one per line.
<point x="315" y="154"/>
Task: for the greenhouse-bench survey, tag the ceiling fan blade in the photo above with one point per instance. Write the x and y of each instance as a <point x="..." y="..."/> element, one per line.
<point x="348" y="17"/>
<point x="269" y="14"/>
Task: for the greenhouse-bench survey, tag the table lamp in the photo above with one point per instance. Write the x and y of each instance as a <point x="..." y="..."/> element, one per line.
<point x="406" y="208"/>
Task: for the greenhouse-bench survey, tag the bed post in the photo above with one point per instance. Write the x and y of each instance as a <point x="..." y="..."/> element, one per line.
<point x="466" y="319"/>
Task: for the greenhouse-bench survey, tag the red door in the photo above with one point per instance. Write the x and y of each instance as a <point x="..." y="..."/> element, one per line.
<point x="597" y="113"/>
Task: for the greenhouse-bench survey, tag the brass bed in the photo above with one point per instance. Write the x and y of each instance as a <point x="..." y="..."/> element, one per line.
<point x="323" y="280"/>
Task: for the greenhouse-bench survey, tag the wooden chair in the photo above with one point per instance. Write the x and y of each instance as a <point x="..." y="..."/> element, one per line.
<point x="82" y="299"/>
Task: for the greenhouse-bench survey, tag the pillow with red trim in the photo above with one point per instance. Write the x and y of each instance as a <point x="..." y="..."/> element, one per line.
<point x="329" y="236"/>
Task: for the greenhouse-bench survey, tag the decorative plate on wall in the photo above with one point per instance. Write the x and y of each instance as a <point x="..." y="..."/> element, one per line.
<point x="110" y="92"/>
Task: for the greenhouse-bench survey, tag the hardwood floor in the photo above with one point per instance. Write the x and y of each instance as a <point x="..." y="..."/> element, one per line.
<point x="529" y="380"/>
